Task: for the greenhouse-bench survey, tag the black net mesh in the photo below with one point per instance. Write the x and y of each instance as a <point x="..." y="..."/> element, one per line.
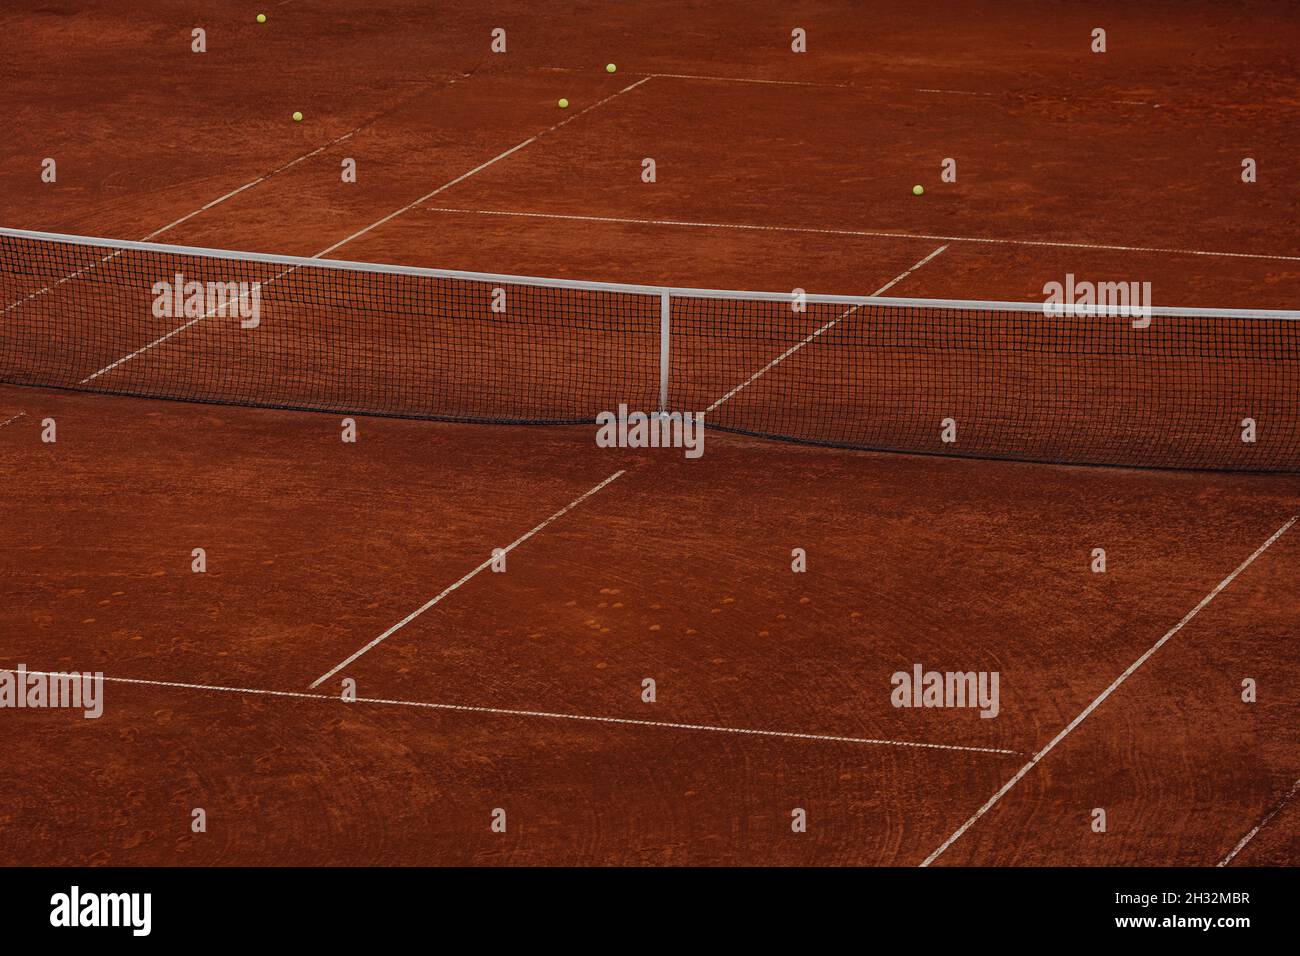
<point x="1013" y="384"/>
<point x="1005" y="384"/>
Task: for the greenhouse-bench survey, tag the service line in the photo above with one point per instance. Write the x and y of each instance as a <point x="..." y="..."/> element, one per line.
<point x="543" y="714"/>
<point x="864" y="233"/>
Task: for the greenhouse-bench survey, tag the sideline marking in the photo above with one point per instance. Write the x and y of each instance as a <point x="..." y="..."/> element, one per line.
<point x="185" y="218"/>
<point x="235" y="192"/>
<point x="829" y="325"/>
<point x="446" y="591"/>
<point x="1033" y="761"/>
<point x="260" y="179"/>
<point x="867" y="233"/>
<point x="510" y="712"/>
<point x="176" y="331"/>
<point x="479" y="168"/>
<point x="1262" y="823"/>
<point x="361" y="232"/>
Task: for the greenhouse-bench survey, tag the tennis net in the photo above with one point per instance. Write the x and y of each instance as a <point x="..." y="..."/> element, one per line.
<point x="1196" y="389"/>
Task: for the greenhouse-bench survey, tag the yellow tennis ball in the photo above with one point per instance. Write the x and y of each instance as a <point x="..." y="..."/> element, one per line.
<point x="917" y="190"/>
<point x="564" y="104"/>
<point x="297" y="118"/>
<point x="610" y="68"/>
<point x="261" y="18"/>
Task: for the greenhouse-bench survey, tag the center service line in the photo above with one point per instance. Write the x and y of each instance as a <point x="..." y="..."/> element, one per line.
<point x="486" y="563"/>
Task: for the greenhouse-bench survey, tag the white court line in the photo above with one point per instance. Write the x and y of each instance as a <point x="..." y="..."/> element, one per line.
<point x="482" y="567"/>
<point x="858" y="88"/>
<point x="10" y="421"/>
<point x="1132" y="668"/>
<point x="172" y="225"/>
<point x="1262" y="823"/>
<point x="713" y="79"/>
<point x="68" y="278"/>
<point x="958" y="92"/>
<point x="867" y="233"/>
<point x="829" y="325"/>
<point x="746" y="79"/>
<point x="1035" y="96"/>
<point x="249" y="185"/>
<point x="550" y="715"/>
<point x="209" y="205"/>
<point x="479" y="168"/>
<point x="179" y="329"/>
<point x="361" y="232"/>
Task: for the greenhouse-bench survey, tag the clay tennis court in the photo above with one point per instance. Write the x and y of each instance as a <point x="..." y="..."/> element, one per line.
<point x="523" y="691"/>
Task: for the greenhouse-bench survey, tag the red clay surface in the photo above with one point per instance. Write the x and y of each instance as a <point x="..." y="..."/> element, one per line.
<point x="677" y="570"/>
